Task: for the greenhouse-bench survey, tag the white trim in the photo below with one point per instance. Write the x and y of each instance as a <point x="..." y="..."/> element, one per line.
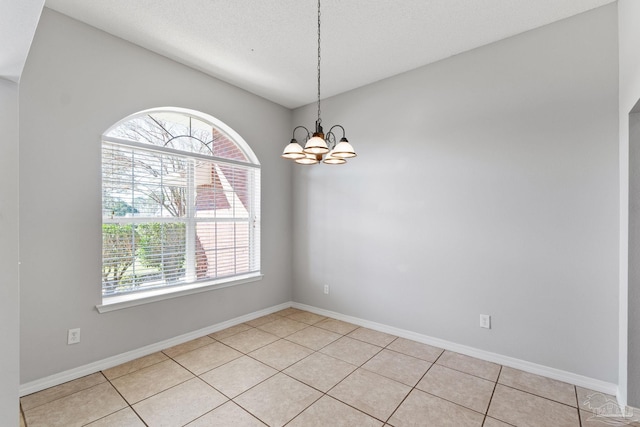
<point x="557" y="374"/>
<point x="523" y="365"/>
<point x="232" y="134"/>
<point x="158" y="149"/>
<point x="146" y="297"/>
<point x="100" y="365"/>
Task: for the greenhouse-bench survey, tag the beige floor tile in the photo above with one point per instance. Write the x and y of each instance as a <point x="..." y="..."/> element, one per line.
<point x="307" y="317"/>
<point x="416" y="349"/>
<point x="230" y="331"/>
<point x="337" y="326"/>
<point x="50" y="394"/>
<point x="351" y="350"/>
<point x="372" y="337"/>
<point x="464" y="389"/>
<point x="283" y="327"/>
<point x="188" y="346"/>
<point x="180" y="404"/>
<point x="249" y="340"/>
<point x="123" y="418"/>
<point x="227" y="415"/>
<point x="205" y="358"/>
<point x="632" y="416"/>
<point x="524" y="409"/>
<point x="373" y="394"/>
<point x="492" y="422"/>
<point x="422" y="409"/>
<point x="590" y="419"/>
<point x="470" y="365"/>
<point x="606" y="404"/>
<point x="594" y="401"/>
<point x="262" y="320"/>
<point x="238" y="375"/>
<point x="22" y="423"/>
<point x="281" y="354"/>
<point x="134" y="365"/>
<point x="277" y="400"/>
<point x="538" y="385"/>
<point x="397" y="366"/>
<point x="330" y="412"/>
<point x="320" y="371"/>
<point x="242" y="363"/>
<point x="151" y="380"/>
<point x="77" y="409"/>
<point x="288" y="311"/>
<point x="314" y="338"/>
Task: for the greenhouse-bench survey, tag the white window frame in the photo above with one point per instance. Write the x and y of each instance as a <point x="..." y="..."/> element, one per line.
<point x="192" y="286"/>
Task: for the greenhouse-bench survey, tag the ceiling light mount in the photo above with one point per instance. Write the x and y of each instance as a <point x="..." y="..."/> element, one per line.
<point x="319" y="147"/>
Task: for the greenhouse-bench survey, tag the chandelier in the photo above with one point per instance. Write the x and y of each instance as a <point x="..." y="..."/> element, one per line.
<point x="319" y="147"/>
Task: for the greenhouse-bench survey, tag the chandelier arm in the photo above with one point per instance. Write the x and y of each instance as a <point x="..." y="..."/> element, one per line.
<point x="330" y="137"/>
<point x="319" y="144"/>
<point x="338" y="126"/>
<point x="299" y="127"/>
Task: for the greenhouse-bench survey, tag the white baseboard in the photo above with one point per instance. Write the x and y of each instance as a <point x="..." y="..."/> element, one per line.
<point x="100" y="365"/>
<point x="556" y="374"/>
<point x="523" y="365"/>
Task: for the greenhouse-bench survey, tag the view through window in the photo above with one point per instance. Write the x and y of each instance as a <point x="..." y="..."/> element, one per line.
<point x="180" y="203"/>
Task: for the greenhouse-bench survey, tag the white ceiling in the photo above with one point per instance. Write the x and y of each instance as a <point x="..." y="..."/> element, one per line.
<point x="268" y="47"/>
<point x="18" y="22"/>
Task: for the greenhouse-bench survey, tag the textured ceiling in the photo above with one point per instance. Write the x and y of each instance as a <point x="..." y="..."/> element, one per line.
<point x="268" y="47"/>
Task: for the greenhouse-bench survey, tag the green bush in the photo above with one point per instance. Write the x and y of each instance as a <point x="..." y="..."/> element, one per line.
<point x="119" y="243"/>
<point x="162" y="246"/>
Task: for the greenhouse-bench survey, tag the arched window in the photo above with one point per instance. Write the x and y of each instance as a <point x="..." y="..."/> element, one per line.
<point x="180" y="203"/>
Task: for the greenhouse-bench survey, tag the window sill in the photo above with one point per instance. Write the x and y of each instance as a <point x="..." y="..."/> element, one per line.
<point x="131" y="300"/>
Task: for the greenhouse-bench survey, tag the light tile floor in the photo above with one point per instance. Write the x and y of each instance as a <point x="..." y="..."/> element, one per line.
<point x="297" y="368"/>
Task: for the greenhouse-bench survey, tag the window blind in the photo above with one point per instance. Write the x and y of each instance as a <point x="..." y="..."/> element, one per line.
<point x="171" y="219"/>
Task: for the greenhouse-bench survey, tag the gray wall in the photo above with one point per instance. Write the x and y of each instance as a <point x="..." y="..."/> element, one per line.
<point x="9" y="243"/>
<point x="629" y="95"/>
<point x="77" y="82"/>
<point x="634" y="260"/>
<point x="486" y="183"/>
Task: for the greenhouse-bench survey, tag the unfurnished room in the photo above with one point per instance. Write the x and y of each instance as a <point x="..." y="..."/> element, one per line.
<point x="320" y="213"/>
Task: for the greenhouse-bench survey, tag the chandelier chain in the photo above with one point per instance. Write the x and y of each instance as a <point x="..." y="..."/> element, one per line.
<point x="319" y="119"/>
<point x="319" y="147"/>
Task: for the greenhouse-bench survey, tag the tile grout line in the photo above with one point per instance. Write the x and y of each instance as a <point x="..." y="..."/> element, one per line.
<point x="335" y="385"/>
<point x="61" y="397"/>
<point x="406" y="396"/>
<point x="22" y="414"/>
<point x="537" y="395"/>
<point x="281" y="371"/>
<point x="80" y="391"/>
<point x="413" y="388"/>
<point x="314" y="351"/>
<point x="495" y="385"/>
<point x="468" y="373"/>
<point x="575" y="389"/>
<point x="485" y="415"/>
<point x="229" y="399"/>
<point x="129" y="405"/>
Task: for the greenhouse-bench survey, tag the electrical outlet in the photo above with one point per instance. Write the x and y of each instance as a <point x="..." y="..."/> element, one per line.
<point x="485" y="321"/>
<point x="73" y="336"/>
<point x="326" y="289"/>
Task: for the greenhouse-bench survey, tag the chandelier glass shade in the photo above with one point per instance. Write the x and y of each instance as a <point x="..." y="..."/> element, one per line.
<point x="319" y="147"/>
